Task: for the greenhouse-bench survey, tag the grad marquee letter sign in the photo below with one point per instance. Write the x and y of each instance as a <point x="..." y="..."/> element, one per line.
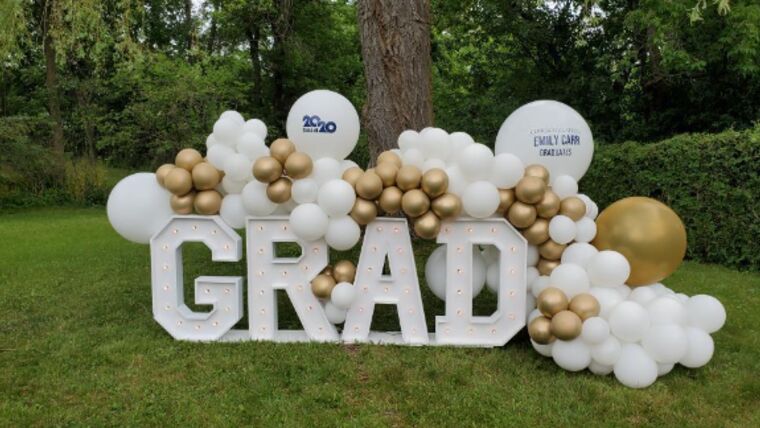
<point x="385" y="239"/>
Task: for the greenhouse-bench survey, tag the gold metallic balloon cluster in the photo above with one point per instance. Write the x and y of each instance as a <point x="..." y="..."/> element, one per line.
<point x="530" y="207"/>
<point x="561" y="319"/>
<point x="192" y="181"/>
<point x="392" y="187"/>
<point x="323" y="284"/>
<point x="283" y="165"/>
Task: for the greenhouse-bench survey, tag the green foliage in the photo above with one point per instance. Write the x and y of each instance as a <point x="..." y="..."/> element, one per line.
<point x="710" y="180"/>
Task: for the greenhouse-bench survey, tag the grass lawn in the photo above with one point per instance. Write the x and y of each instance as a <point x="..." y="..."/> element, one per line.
<point x="78" y="345"/>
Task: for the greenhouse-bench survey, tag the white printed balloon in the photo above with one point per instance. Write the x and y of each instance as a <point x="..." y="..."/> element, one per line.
<point x="323" y="124"/>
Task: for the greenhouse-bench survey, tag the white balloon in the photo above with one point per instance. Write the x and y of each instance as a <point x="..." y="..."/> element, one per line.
<point x="490" y="253"/>
<point x="533" y="314"/>
<point x="532" y="274"/>
<point x="629" y="321"/>
<point x="409" y="139"/>
<point x="138" y="207"/>
<point x="252" y="146"/>
<point x="540" y="284"/>
<point x="476" y="161"/>
<point x="592" y="210"/>
<point x="457" y="180"/>
<point x="232" y="187"/>
<point x="608" y="269"/>
<point x="334" y="314"/>
<point x="545" y="350"/>
<point x="480" y="199"/>
<point x="565" y="186"/>
<point x="413" y="157"/>
<point x="666" y="343"/>
<point x="255" y="199"/>
<point x="607" y="352"/>
<point x="701" y="348"/>
<point x="336" y="197"/>
<point x="435" y="272"/>
<point x="667" y="310"/>
<point x="530" y="303"/>
<point x="642" y="295"/>
<point x="304" y="190"/>
<point x="599" y="369"/>
<point x="233" y="212"/>
<point x="571" y="355"/>
<point x="309" y="222"/>
<point x="663" y="369"/>
<point x="347" y="164"/>
<point x="226" y="131"/>
<point x="238" y="167"/>
<point x="433" y="163"/>
<point x="571" y="279"/>
<point x="459" y="140"/>
<point x="342" y="233"/>
<point x="323" y="124"/>
<point x="624" y="290"/>
<point x="211" y="141"/>
<point x="706" y="312"/>
<point x="218" y="154"/>
<point x="585" y="230"/>
<point x="492" y="277"/>
<point x="562" y="229"/>
<point x="325" y="169"/>
<point x="533" y="255"/>
<point x="635" y="368"/>
<point x="234" y="116"/>
<point x="608" y="299"/>
<point x="595" y="330"/>
<point x="436" y="144"/>
<point x="506" y="171"/>
<point x="285" y="208"/>
<point x="579" y="254"/>
<point x="257" y="126"/>
<point x="548" y="133"/>
<point x="343" y="295"/>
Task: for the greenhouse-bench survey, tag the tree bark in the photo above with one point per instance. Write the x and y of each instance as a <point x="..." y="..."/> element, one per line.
<point x="282" y="26"/>
<point x="188" y="26"/>
<point x="395" y="44"/>
<point x="51" y="85"/>
<point x="254" y="34"/>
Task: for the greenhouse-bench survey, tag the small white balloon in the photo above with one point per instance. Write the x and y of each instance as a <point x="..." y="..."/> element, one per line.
<point x="490" y="254"/>
<point x="624" y="290"/>
<point x="459" y="140"/>
<point x="238" y="167"/>
<point x="409" y="139"/>
<point x="336" y="197"/>
<point x="532" y="274"/>
<point x="255" y="199"/>
<point x="211" y="141"/>
<point x="334" y="314"/>
<point x="457" y="181"/>
<point x="218" y="155"/>
<point x="607" y="352"/>
<point x="545" y="350"/>
<point x="304" y="190"/>
<point x="325" y="169"/>
<point x="436" y="144"/>
<point x="571" y="279"/>
<point x="706" y="312"/>
<point x="635" y="368"/>
<point x="608" y="269"/>
<point x="666" y="343"/>
<point x="599" y="369"/>
<point x="573" y="355"/>
<point x="233" y="212"/>
<point x="585" y="230"/>
<point x="433" y="163"/>
<point x="138" y="207"/>
<point x="540" y="284"/>
<point x="492" y="277"/>
<point x="476" y="161"/>
<point x="533" y="255"/>
<point x="343" y="295"/>
<point x="667" y="310"/>
<point x="257" y="126"/>
<point x="309" y="222"/>
<point x="342" y="233"/>
<point x="413" y="157"/>
<point x="234" y="116"/>
<point x="347" y="164"/>
<point x="562" y="229"/>
<point x="579" y="254"/>
<point x="565" y="186"/>
<point x="608" y="299"/>
<point x="480" y="199"/>
<point x="701" y="348"/>
<point x="629" y="321"/>
<point x="227" y="130"/>
<point x="435" y="272"/>
<point x="663" y="369"/>
<point x="595" y="330"/>
<point x="642" y="295"/>
<point x="232" y="187"/>
<point x="252" y="146"/>
<point x="506" y="171"/>
<point x="592" y="210"/>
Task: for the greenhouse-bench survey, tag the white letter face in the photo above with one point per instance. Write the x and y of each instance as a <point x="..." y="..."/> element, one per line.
<point x="386" y="237"/>
<point x="459" y="326"/>
<point x="267" y="273"/>
<point x="225" y="293"/>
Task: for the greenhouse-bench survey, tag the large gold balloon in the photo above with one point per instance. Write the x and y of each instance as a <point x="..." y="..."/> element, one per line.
<point x="530" y="190"/>
<point x="390" y="199"/>
<point x="521" y="215"/>
<point x="322" y="285"/>
<point x="551" y="250"/>
<point x="548" y="206"/>
<point x="389" y="156"/>
<point x="267" y="169"/>
<point x="573" y="207"/>
<point x="298" y="165"/>
<point x="415" y="202"/>
<point x="648" y="233"/>
<point x="188" y="158"/>
<point x="539" y="171"/>
<point x="506" y="199"/>
<point x="435" y="182"/>
<point x="207" y="202"/>
<point x="328" y="270"/>
<point x="364" y="211"/>
<point x="540" y="330"/>
<point x="281" y="148"/>
<point x="344" y="271"/>
<point x="183" y="204"/>
<point x="551" y="301"/>
<point x="408" y="178"/>
<point x="369" y="185"/>
<point x="538" y="232"/>
<point x="352" y="175"/>
<point x="205" y="176"/>
<point x="178" y="181"/>
<point x="566" y="325"/>
<point x="163" y="171"/>
<point x="387" y="172"/>
<point x="427" y="225"/>
<point x="545" y="267"/>
<point x="447" y="206"/>
<point x="585" y="306"/>
<point x="278" y="191"/>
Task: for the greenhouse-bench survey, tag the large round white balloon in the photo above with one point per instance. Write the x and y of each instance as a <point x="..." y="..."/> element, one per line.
<point x="570" y="278"/>
<point x="233" y="212"/>
<point x="255" y="199"/>
<point x="326" y="169"/>
<point x="342" y="233"/>
<point x="435" y="272"/>
<point x="256" y="126"/>
<point x="666" y="310"/>
<point x="573" y="355"/>
<point x="252" y="146"/>
<point x="608" y="269"/>
<point x="305" y="190"/>
<point x="629" y="321"/>
<point x="309" y="222"/>
<point x="666" y="343"/>
<point x="436" y="144"/>
<point x="409" y="139"/>
<point x="706" y="312"/>
<point x="506" y="171"/>
<point x="343" y="295"/>
<point x="138" y="207"/>
<point x="476" y="162"/>
<point x="607" y="352"/>
<point x="562" y="229"/>
<point x="480" y="199"/>
<point x="635" y="368"/>
<point x="323" y="124"/>
<point x="700" y="350"/>
<point x="608" y="299"/>
<point x="336" y="197"/>
<point x="579" y="253"/>
<point x="565" y="186"/>
<point x="548" y="133"/>
<point x="595" y="330"/>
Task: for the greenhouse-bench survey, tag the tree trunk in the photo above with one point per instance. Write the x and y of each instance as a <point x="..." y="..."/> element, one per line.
<point x="85" y="111"/>
<point x="282" y="26"/>
<point x="211" y="47"/>
<point x="51" y="84"/>
<point x="188" y="23"/>
<point x="395" y="43"/>
<point x="254" y="34"/>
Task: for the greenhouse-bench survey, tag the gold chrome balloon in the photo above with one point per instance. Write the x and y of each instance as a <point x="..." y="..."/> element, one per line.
<point x="538" y="232"/>
<point x="573" y="207"/>
<point x="322" y="285"/>
<point x="183" y="204"/>
<point x="648" y="233"/>
<point x="549" y="205"/>
<point x="390" y="199"/>
<point x="267" y="169"/>
<point x="566" y="325"/>
<point x="207" y="202"/>
<point x="387" y="172"/>
<point x="328" y="270"/>
<point x="281" y="148"/>
<point x="427" y="225"/>
<point x="447" y="206"/>
<point x="408" y="178"/>
<point x="163" y="171"/>
<point x="369" y="185"/>
<point x="540" y="330"/>
<point x="278" y="191"/>
<point x="521" y="215"/>
<point x="344" y="271"/>
<point x="205" y="176"/>
<point x="530" y="190"/>
<point x="539" y="171"/>
<point x="178" y="181"/>
<point x="506" y="199"/>
<point x="545" y="267"/>
<point x="298" y="165"/>
<point x="389" y="156"/>
<point x="435" y="182"/>
<point x="188" y="158"/>
<point x="415" y="202"/>
<point x="551" y="301"/>
<point x="551" y="250"/>
<point x="364" y="211"/>
<point x="585" y="306"/>
<point x="352" y="175"/>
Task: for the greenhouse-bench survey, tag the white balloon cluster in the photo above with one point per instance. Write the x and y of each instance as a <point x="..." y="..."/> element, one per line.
<point x="435" y="272"/>
<point x="640" y="333"/>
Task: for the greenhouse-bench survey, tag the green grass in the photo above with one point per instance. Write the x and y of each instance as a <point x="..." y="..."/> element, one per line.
<point x="78" y="345"/>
